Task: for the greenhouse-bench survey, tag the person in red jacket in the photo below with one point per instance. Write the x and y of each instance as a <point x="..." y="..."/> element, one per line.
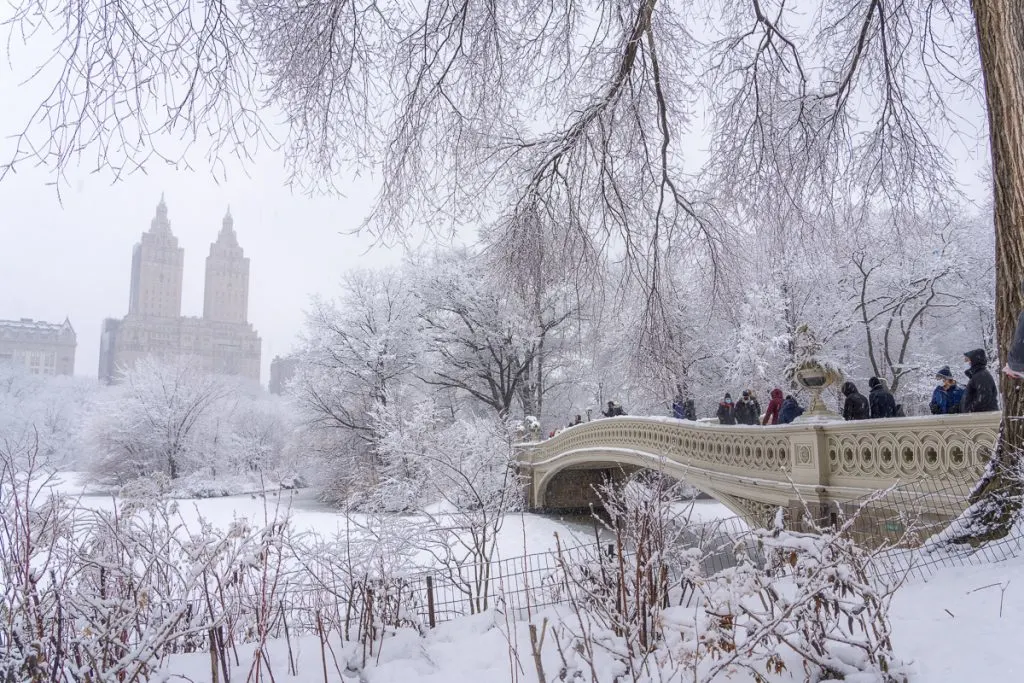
<point x="771" y="415"/>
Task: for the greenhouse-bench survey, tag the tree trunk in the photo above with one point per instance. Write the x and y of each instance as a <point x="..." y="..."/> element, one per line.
<point x="1000" y="29"/>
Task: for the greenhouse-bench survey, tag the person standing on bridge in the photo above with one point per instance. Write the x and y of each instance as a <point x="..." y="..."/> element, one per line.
<point x="679" y="407"/>
<point x="726" y="411"/>
<point x="772" y="413"/>
<point x="683" y="408"/>
<point x="790" y="411"/>
<point x="981" y="395"/>
<point x="947" y="396"/>
<point x="748" y="410"/>
<point x="856" y="406"/>
<point x="882" y="403"/>
<point x="614" y="410"/>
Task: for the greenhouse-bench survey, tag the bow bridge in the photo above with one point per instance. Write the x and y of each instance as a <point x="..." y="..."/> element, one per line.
<point x="754" y="470"/>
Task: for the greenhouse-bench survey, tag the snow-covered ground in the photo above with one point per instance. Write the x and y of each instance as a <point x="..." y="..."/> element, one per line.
<point x="961" y="626"/>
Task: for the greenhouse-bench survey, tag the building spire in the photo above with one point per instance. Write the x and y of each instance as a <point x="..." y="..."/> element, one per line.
<point x="227" y="230"/>
<point x="160" y="223"/>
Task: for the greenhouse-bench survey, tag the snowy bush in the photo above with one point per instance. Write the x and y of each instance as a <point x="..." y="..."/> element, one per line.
<point x="803" y="600"/>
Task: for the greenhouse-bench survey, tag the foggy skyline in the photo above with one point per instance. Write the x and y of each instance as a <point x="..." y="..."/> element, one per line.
<point x="75" y="260"/>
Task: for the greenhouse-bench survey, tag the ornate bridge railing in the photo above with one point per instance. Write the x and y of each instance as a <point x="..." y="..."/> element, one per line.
<point x="755" y="469"/>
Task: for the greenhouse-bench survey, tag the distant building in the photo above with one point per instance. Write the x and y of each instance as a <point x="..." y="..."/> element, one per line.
<point x="221" y="341"/>
<point x="281" y="372"/>
<point x="42" y="348"/>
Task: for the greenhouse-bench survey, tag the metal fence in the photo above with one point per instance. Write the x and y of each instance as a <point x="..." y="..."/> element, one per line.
<point x="521" y="585"/>
<point x="913" y="523"/>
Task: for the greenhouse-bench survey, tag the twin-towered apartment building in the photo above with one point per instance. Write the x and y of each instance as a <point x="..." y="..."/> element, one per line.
<point x="221" y="341"/>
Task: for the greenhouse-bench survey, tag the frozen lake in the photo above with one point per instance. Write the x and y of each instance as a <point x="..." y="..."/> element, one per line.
<point x="522" y="533"/>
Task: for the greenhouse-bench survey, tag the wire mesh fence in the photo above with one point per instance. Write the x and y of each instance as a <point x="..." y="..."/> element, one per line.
<point x="911" y="524"/>
<point x="521" y="585"/>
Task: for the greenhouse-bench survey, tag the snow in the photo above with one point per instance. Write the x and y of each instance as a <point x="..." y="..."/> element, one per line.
<point x="523" y="533"/>
<point x="951" y="628"/>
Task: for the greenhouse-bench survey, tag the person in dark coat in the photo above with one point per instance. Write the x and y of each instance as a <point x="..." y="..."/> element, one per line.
<point x="726" y="411"/>
<point x="946" y="397"/>
<point x="771" y="414"/>
<point x="748" y="410"/>
<point x="881" y="401"/>
<point x="790" y="410"/>
<point x="689" y="409"/>
<point x="980" y="395"/>
<point x="577" y="421"/>
<point x="856" y="406"/>
<point x="614" y="410"/>
<point x="678" y="408"/>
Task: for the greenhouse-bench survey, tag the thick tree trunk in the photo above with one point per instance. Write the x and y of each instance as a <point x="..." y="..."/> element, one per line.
<point x="1000" y="29"/>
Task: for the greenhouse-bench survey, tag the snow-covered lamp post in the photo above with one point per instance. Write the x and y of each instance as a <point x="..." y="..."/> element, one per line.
<point x="812" y="372"/>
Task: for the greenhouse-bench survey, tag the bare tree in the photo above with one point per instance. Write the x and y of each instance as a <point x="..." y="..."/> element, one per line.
<point x="491" y="341"/>
<point x="360" y="351"/>
<point x="897" y="286"/>
<point x="562" y="115"/>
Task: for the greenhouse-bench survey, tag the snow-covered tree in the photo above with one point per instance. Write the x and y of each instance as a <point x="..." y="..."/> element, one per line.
<point x="47" y="410"/>
<point x="160" y="419"/>
<point x="358" y="354"/>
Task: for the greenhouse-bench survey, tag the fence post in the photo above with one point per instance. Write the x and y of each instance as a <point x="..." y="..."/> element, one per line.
<point x="430" y="601"/>
<point x="213" y="657"/>
<point x="663" y="579"/>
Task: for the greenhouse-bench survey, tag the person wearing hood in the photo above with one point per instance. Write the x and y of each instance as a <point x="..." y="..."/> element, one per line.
<point x="726" y="411"/>
<point x="980" y="395"/>
<point x="856" y="406"/>
<point x="771" y="414"/>
<point x="790" y="410"/>
<point x="947" y="396"/>
<point x="880" y="399"/>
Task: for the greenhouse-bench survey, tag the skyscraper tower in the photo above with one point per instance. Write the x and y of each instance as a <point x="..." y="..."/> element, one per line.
<point x="226" y="293"/>
<point x="157" y="267"/>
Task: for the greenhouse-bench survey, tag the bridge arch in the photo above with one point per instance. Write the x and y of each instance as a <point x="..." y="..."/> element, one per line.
<point x="569" y="484"/>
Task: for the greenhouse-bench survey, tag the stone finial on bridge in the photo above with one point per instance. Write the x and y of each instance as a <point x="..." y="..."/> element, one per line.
<point x="813" y="373"/>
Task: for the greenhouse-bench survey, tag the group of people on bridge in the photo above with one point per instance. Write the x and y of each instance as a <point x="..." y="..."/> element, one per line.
<point x="949" y="397"/>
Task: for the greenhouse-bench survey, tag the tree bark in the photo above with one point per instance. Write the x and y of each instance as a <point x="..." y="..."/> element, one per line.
<point x="1000" y="27"/>
<point x="1000" y="31"/>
